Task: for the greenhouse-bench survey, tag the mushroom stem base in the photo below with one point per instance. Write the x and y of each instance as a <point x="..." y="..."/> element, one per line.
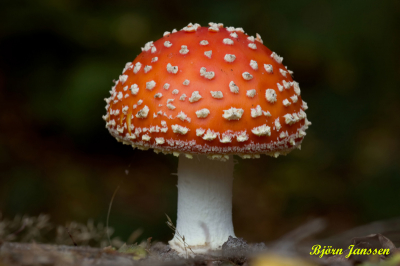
<point x="204" y="205"/>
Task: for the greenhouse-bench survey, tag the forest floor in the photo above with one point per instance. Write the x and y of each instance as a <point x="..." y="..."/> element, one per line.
<point x="234" y="252"/>
<point x="36" y="241"/>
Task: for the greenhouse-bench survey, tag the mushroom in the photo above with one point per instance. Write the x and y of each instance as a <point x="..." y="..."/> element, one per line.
<point x="205" y="94"/>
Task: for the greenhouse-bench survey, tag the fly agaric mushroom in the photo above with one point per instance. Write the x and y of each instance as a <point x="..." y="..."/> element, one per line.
<point x="205" y="94"/>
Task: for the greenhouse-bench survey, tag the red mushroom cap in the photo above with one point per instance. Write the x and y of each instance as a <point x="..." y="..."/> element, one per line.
<point x="208" y="90"/>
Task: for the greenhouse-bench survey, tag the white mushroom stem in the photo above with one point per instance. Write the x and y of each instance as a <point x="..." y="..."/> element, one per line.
<point x="204" y="205"/>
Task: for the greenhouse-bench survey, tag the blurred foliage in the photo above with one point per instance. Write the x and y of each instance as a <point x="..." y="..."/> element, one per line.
<point x="276" y="260"/>
<point x="57" y="62"/>
<point x="40" y="229"/>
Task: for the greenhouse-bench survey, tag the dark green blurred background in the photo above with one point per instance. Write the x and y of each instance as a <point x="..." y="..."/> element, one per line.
<point x="57" y="62"/>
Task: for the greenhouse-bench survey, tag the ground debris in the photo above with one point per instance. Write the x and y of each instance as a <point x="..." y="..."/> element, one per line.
<point x="136" y="251"/>
<point x="235" y="251"/>
<point x="49" y="255"/>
